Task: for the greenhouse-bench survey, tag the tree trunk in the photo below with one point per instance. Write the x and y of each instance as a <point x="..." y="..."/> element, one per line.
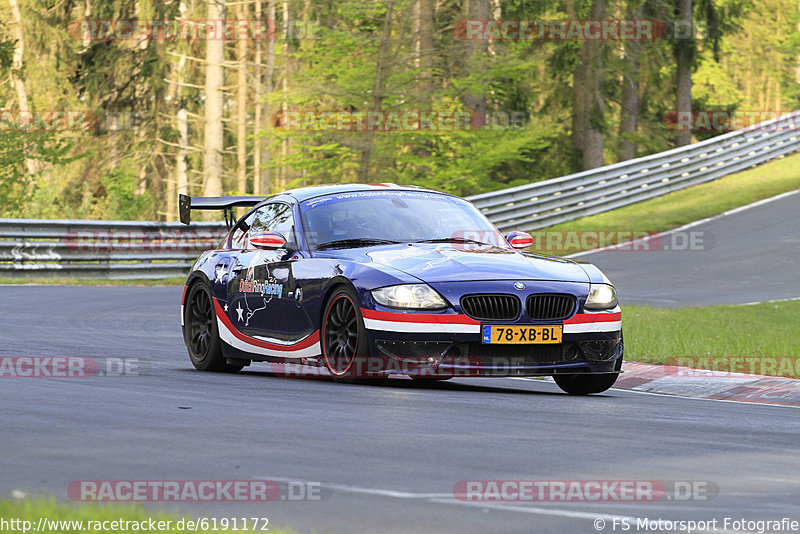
<point x="241" y="107"/>
<point x="258" y="94"/>
<point x="422" y="29"/>
<point x="283" y="179"/>
<point x="181" y="168"/>
<point x="16" y="72"/>
<point x="215" y="80"/>
<point x="777" y="95"/>
<point x="684" y="54"/>
<point x="262" y="154"/>
<point x="423" y="45"/>
<point x="497" y="14"/>
<point x="477" y="10"/>
<point x="629" y="106"/>
<point x="377" y="89"/>
<point x="258" y="90"/>
<point x="179" y="183"/>
<point x="87" y="15"/>
<point x="588" y="104"/>
<point x="797" y="67"/>
<point x="268" y="88"/>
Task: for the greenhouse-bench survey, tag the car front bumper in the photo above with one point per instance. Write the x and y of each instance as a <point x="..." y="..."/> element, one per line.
<point x="450" y="344"/>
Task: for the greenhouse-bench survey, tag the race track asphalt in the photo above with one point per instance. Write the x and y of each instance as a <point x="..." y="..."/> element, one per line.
<point x="751" y="255"/>
<point x="387" y="457"/>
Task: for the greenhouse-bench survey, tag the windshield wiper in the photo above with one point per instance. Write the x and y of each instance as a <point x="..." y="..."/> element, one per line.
<point x="454" y="239"/>
<point x="355" y="242"/>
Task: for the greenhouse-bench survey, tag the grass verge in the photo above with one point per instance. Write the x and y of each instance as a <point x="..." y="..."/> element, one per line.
<point x="92" y="518"/>
<point x="709" y="336"/>
<point x="688" y="205"/>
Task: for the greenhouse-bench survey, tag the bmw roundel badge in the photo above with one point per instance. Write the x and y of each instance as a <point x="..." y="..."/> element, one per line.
<point x="519" y="286"/>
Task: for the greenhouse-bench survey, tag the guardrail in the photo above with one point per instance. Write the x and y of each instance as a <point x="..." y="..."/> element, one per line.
<point x="540" y="204"/>
<point x="35" y="248"/>
<point x="121" y="250"/>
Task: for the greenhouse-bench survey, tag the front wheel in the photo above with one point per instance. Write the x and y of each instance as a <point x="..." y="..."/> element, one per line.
<point x="586" y="384"/>
<point x="344" y="340"/>
<point x="201" y="333"/>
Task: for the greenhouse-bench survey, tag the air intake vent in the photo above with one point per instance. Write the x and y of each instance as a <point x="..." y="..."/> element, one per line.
<point x="550" y="307"/>
<point x="491" y="307"/>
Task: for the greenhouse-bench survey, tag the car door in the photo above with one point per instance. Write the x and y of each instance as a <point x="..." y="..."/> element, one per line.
<point x="262" y="292"/>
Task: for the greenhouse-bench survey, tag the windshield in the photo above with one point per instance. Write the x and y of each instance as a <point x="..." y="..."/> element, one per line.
<point x="394" y="216"/>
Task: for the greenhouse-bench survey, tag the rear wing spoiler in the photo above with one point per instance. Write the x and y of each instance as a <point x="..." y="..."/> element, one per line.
<point x="186" y="204"/>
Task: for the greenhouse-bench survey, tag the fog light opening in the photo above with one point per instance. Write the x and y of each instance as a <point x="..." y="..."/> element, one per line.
<point x="571" y="353"/>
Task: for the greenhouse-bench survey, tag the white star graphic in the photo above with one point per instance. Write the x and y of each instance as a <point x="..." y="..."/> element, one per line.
<point x="239" y="311"/>
<point x="226" y="307"/>
<point x="221" y="271"/>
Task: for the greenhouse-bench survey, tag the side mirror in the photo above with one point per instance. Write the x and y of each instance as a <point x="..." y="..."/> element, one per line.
<point x="519" y="239"/>
<point x="267" y="240"/>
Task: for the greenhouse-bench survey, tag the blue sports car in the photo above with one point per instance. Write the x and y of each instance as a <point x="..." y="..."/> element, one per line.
<point x="364" y="281"/>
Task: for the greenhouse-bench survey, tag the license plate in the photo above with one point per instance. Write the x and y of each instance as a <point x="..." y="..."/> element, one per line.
<point x="521" y="334"/>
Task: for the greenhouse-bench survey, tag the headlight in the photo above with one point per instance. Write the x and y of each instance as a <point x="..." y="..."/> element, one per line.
<point x="413" y="296"/>
<point x="601" y="297"/>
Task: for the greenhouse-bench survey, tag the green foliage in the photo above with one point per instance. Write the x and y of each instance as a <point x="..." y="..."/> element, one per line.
<point x="6" y="54"/>
<point x="121" y="196"/>
<point x="340" y="74"/>
<point x="16" y="185"/>
<point x="713" y="87"/>
<point x="125" y="174"/>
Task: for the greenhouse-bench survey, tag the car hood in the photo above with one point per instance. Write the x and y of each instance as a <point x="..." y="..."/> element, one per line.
<point x="448" y="263"/>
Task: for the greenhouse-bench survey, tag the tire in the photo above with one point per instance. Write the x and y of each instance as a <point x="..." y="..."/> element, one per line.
<point x="201" y="334"/>
<point x="343" y="337"/>
<point x="586" y="384"/>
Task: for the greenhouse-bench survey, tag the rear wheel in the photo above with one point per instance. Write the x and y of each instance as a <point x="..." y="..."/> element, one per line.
<point x="586" y="384"/>
<point x="344" y="340"/>
<point x="201" y="333"/>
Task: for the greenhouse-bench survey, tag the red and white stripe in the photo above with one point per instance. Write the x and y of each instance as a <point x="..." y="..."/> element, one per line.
<point x="420" y="322"/>
<point x="267" y="240"/>
<point x="521" y="241"/>
<point x="606" y="321"/>
<point x="183" y="302"/>
<point x="610" y="321"/>
<point x="303" y="348"/>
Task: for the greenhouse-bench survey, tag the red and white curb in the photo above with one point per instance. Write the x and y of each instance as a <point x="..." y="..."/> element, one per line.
<point x="699" y="383"/>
